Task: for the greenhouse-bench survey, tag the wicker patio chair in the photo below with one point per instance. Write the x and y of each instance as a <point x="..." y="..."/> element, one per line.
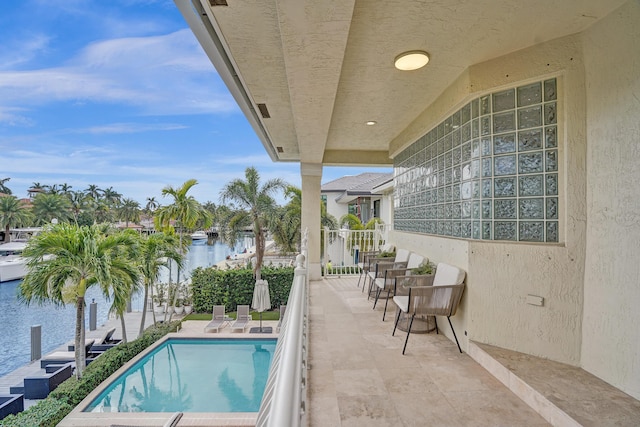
<point x="387" y="282"/>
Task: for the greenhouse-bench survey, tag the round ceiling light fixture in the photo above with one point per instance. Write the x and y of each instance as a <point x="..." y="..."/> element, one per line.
<point x="411" y="60"/>
<point x="371" y="122"/>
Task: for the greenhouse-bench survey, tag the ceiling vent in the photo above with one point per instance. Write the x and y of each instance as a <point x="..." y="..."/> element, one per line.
<point x="264" y="111"/>
<point x="280" y="149"/>
<point x="218" y="3"/>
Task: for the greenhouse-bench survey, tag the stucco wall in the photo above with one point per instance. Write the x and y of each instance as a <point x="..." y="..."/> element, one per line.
<point x="611" y="325"/>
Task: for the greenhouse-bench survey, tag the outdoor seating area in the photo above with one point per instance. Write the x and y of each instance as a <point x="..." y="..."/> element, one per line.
<point x="219" y="319"/>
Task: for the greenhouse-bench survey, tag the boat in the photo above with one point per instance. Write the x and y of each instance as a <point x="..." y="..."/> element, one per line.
<point x="13" y="266"/>
<point x="199" y="235"/>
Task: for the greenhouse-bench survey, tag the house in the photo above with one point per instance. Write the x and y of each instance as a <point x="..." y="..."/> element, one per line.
<point x="513" y="139"/>
<point x="357" y="195"/>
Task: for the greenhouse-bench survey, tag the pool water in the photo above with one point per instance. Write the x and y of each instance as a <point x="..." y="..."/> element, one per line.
<point x="193" y="375"/>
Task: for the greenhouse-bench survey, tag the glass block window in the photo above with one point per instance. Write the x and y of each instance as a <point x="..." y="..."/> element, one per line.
<point x="487" y="172"/>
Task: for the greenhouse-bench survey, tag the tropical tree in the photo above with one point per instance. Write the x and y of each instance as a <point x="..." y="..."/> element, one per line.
<point x="49" y="206"/>
<point x="93" y="191"/>
<point x="129" y="210"/>
<point x="185" y="210"/>
<point x="257" y="204"/>
<point x="66" y="259"/>
<point x="155" y="252"/>
<point x="112" y="197"/>
<point x="35" y="189"/>
<point x="152" y="205"/>
<point x="78" y="201"/>
<point x="13" y="213"/>
<point x="3" y="188"/>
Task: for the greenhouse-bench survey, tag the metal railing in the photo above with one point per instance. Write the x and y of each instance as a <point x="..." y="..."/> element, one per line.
<point x="285" y="395"/>
<point x="342" y="248"/>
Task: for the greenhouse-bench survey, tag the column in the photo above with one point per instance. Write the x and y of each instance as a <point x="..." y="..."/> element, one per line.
<point x="311" y="174"/>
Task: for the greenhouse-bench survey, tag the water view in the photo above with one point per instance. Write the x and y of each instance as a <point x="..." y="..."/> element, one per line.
<point x="58" y="323"/>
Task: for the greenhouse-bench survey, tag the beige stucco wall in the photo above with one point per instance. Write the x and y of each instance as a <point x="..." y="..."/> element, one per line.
<point x="611" y="325"/>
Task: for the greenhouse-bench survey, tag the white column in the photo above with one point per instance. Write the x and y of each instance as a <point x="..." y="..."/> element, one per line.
<point x="311" y="174"/>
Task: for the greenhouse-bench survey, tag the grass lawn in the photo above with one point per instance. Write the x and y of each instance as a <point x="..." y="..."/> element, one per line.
<point x="266" y="315"/>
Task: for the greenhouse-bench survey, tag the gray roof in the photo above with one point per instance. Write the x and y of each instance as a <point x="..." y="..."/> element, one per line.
<point x="357" y="184"/>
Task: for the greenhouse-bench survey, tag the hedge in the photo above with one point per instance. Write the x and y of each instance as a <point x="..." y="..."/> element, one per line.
<point x="50" y="411"/>
<point x="231" y="288"/>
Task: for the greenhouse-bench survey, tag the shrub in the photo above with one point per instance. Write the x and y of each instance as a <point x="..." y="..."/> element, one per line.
<point x="231" y="288"/>
<point x="70" y="393"/>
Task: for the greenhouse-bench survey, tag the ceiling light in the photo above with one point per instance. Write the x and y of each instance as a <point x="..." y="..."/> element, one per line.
<point x="411" y="60"/>
<point x="371" y="122"/>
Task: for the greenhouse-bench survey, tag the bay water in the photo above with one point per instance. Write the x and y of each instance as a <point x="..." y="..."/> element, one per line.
<point x="58" y="323"/>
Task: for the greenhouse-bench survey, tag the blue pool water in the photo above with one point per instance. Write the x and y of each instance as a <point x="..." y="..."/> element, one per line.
<point x="193" y="375"/>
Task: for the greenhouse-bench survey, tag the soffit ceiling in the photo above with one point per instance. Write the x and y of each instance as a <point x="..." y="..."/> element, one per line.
<point x="324" y="68"/>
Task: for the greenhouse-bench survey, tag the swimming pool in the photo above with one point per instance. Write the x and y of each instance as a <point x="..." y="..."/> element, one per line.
<point x="192" y="375"/>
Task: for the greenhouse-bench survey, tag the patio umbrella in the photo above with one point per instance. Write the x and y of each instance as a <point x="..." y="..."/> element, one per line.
<point x="261" y="302"/>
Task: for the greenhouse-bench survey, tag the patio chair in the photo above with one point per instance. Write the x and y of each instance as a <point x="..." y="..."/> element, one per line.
<point x="283" y="308"/>
<point x="402" y="257"/>
<point x="441" y="299"/>
<point x="387" y="282"/>
<point x="106" y="342"/>
<point x="242" y="319"/>
<point x="363" y="265"/>
<point x="218" y="319"/>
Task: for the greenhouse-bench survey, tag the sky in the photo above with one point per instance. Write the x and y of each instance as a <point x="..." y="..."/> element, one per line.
<point x="120" y="94"/>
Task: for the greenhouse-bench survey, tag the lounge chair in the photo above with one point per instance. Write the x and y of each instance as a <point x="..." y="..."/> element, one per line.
<point x="242" y="319"/>
<point x="87" y="345"/>
<point x="283" y="308"/>
<point x="218" y="319"/>
<point x="63" y="357"/>
<point x="106" y="342"/>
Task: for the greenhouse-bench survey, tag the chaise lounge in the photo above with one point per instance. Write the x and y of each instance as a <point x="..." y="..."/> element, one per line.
<point x="218" y="320"/>
<point x="242" y="319"/>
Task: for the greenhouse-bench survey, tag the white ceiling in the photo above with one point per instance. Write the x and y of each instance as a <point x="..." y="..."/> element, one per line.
<point x="324" y="68"/>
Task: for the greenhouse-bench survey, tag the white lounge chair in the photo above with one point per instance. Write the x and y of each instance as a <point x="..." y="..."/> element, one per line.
<point x="218" y="320"/>
<point x="242" y="320"/>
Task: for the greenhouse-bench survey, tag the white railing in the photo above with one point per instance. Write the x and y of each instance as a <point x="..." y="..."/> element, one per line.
<point x="342" y="248"/>
<point x="285" y="395"/>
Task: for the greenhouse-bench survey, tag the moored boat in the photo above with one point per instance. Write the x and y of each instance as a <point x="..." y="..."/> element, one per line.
<point x="13" y="265"/>
<point x="199" y="235"/>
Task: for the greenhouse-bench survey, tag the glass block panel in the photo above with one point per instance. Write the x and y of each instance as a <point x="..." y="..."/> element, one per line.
<point x="552" y="207"/>
<point x="448" y="143"/>
<point x="465" y="133"/>
<point x="486" y="146"/>
<point x="485" y="105"/>
<point x="475" y="209"/>
<point x="455" y="138"/>
<point x="485" y="125"/>
<point x="505" y="208"/>
<point x="455" y="123"/>
<point x="552" y="231"/>
<point x="447" y="193"/>
<point x="466" y="171"/>
<point x="551" y="137"/>
<point x="504" y="100"/>
<point x="456" y="229"/>
<point x="531" y="231"/>
<point x="504" y="122"/>
<point x="456" y="192"/>
<point x="440" y="130"/>
<point x="475" y="129"/>
<point x="550" y="90"/>
<point x="475" y="229"/>
<point x="486" y="209"/>
<point x="448" y="156"/>
<point x="475" y="189"/>
<point x="487" y="187"/>
<point x="475" y="169"/>
<point x="530" y="162"/>
<point x="457" y="172"/>
<point x="465" y="229"/>
<point x="504" y="187"/>
<point x="551" y="161"/>
<point x="456" y="210"/>
<point x="475" y="148"/>
<point x="529" y="117"/>
<point x="530" y="185"/>
<point x="447" y="228"/>
<point x="506" y="165"/>
<point x="505" y="230"/>
<point x="550" y="114"/>
<point x="486" y="230"/>
<point x="466" y="152"/>
<point x="465" y="209"/>
<point x="531" y="208"/>
<point x="475" y="108"/>
<point x="447" y="125"/>
<point x="551" y="184"/>
<point x="465" y="190"/>
<point x="504" y="143"/>
<point x="440" y="229"/>
<point x="465" y="114"/>
<point x="486" y="167"/>
<point x="530" y="94"/>
<point x="530" y="140"/>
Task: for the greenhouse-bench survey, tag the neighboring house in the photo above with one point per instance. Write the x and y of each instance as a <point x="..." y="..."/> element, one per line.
<point x="365" y="195"/>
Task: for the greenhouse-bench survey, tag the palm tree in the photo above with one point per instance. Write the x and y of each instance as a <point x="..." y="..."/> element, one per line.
<point x="66" y="260"/>
<point x="13" y="213"/>
<point x="185" y="210"/>
<point x="256" y="202"/>
<point x="152" y="205"/>
<point x="3" y="188"/>
<point x="155" y="252"/>
<point x="49" y="206"/>
<point x="35" y="189"/>
<point x="78" y="201"/>
<point x="112" y="197"/>
<point x="93" y="191"/>
<point x="129" y="211"/>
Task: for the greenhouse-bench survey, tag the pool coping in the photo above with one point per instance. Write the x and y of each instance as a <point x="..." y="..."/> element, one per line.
<point x="78" y="418"/>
